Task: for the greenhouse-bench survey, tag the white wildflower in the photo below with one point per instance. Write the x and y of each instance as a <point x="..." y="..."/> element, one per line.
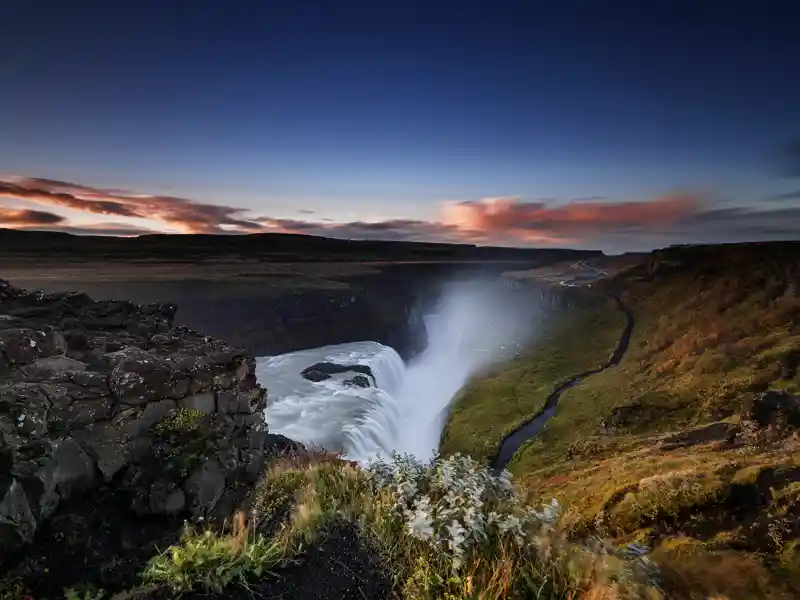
<point x="457" y="503"/>
<point x="421" y="526"/>
<point x="457" y="535"/>
<point x="504" y="480"/>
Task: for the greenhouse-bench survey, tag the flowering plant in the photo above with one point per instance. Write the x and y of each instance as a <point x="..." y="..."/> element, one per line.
<point x="458" y="504"/>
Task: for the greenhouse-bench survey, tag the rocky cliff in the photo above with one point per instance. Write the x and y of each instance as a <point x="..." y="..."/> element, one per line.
<point x="101" y="393"/>
<point x="548" y="295"/>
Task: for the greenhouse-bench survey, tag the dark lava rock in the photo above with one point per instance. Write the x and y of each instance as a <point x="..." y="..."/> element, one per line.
<point x="92" y="540"/>
<point x="109" y="393"/>
<point x="773" y="408"/>
<point x="277" y="444"/>
<point x="361" y="381"/>
<point x="315" y="376"/>
<point x="324" y="370"/>
<point x="341" y="567"/>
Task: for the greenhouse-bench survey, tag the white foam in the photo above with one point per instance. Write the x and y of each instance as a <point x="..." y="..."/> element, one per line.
<point x="358" y="421"/>
<point x="470" y="328"/>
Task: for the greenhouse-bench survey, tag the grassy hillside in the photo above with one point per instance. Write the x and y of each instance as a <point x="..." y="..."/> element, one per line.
<point x="656" y="450"/>
<point x="501" y="400"/>
<point x="319" y="527"/>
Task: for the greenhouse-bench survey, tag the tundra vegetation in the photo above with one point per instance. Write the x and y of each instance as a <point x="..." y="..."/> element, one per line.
<point x="446" y="529"/>
<point x="689" y="446"/>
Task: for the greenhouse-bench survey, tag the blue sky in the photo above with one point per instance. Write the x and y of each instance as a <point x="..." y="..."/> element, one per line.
<point x="370" y="111"/>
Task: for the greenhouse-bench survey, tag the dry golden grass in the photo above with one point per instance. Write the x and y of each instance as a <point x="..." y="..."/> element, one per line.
<point x="713" y="326"/>
<point x="687" y="565"/>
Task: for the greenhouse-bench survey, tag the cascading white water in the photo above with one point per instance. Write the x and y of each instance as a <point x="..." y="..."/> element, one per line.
<point x="471" y="327"/>
<point x="330" y="413"/>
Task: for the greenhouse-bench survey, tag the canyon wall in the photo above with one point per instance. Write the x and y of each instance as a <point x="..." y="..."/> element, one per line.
<point x="110" y="393"/>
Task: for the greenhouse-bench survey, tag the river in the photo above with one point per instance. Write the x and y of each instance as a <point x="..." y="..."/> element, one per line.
<point x="471" y="327"/>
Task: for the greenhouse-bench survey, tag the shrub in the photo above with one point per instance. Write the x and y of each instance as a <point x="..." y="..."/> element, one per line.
<point x="334" y="490"/>
<point x="448" y="530"/>
<point x="455" y="528"/>
<point x="276" y="491"/>
<point x="457" y="503"/>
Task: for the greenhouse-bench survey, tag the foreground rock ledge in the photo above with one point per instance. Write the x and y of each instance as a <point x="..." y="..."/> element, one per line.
<point x="109" y="392"/>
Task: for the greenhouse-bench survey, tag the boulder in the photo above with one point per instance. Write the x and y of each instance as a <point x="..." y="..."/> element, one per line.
<point x="165" y="497"/>
<point x="53" y="366"/>
<point x="276" y="444"/>
<point x="138" y="377"/>
<point x="79" y="414"/>
<point x="153" y="413"/>
<point x="248" y="402"/>
<point x="74" y="469"/>
<point x="108" y="446"/>
<point x="324" y="370"/>
<point x="23" y="346"/>
<point x="17" y="522"/>
<point x="314" y="375"/>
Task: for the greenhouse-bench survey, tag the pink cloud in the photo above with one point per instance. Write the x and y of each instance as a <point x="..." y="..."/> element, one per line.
<point x="591" y="222"/>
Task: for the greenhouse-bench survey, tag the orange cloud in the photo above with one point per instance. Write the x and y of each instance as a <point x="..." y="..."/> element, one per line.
<point x="187" y="215"/>
<point x="14" y="217"/>
<point x="597" y="223"/>
<point x="537" y="220"/>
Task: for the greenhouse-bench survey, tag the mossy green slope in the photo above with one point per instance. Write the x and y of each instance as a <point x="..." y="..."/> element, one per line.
<point x="501" y="400"/>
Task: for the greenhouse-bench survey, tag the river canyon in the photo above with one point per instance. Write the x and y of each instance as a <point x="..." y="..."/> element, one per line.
<point x="472" y="325"/>
<point x="421" y="331"/>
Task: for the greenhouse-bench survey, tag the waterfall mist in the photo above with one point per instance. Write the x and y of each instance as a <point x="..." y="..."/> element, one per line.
<point x="472" y="325"/>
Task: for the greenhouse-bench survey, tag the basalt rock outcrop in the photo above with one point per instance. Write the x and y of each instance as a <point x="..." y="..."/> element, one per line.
<point x="325" y="370"/>
<point x="111" y="394"/>
<point x="548" y="296"/>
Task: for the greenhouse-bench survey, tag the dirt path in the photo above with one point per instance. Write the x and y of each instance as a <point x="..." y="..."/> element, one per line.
<point x="531" y="428"/>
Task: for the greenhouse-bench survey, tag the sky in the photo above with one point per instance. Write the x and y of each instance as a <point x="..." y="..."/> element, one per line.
<point x="608" y="125"/>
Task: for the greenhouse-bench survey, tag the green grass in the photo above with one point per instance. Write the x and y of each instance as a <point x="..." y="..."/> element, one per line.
<point x="495" y="404"/>
<point x="211" y="562"/>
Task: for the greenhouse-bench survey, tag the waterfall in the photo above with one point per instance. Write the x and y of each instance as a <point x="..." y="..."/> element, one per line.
<point x="333" y="414"/>
<point x="470" y="328"/>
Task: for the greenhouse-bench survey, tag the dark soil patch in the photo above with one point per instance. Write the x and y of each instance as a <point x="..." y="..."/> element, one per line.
<point x="340" y="567"/>
<point x="715" y="432"/>
<point x="93" y="541"/>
